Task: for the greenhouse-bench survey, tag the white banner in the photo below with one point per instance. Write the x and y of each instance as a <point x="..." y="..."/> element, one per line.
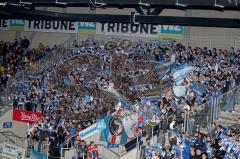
<point x="90" y="131"/>
<point x="12" y="151"/>
<point x="127" y="29"/>
<point x="93" y="129"/>
<point x="129" y="124"/>
<point x="4" y="24"/>
<point x="179" y="91"/>
<point x="113" y="29"/>
<point x="182" y="71"/>
<point x="51" y="26"/>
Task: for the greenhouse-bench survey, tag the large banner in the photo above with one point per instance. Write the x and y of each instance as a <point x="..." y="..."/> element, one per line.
<point x="26" y="116"/>
<point x="127" y="29"/>
<point x="113" y="29"/>
<point x="114" y="133"/>
<point x="12" y="151"/>
<point x="93" y="129"/>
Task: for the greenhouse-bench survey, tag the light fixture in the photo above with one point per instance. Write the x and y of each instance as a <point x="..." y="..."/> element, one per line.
<point x="143" y="4"/>
<point x="236" y="3"/>
<point x="218" y="5"/>
<point x="3" y="4"/>
<point x="27" y="3"/>
<point x="180" y="4"/>
<point x="100" y="3"/>
<point x="96" y="4"/>
<point x="61" y="3"/>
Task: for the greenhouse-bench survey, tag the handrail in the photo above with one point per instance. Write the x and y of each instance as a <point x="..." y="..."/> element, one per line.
<point x="99" y="145"/>
<point x="12" y="134"/>
<point x="220" y="96"/>
<point x="12" y="138"/>
<point x="109" y="150"/>
<point x="168" y="133"/>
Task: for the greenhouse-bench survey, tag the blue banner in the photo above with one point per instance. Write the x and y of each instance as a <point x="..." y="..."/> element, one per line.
<point x="101" y="125"/>
<point x="87" y="27"/>
<point x="7" y="125"/>
<point x="200" y="89"/>
<point x="172" y="31"/>
<point x="112" y="145"/>
<point x="119" y="136"/>
<point x="93" y="129"/>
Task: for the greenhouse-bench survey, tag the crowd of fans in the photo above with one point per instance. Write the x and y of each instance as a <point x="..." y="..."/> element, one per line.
<point x="66" y="93"/>
<point x="219" y="143"/>
<point x="17" y="56"/>
<point x="74" y="92"/>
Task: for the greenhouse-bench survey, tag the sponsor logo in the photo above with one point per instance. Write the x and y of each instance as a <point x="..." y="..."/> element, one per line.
<point x="101" y="125"/>
<point x="26" y="116"/>
<point x="31" y="117"/>
<point x="7" y="125"/>
<point x="116" y="126"/>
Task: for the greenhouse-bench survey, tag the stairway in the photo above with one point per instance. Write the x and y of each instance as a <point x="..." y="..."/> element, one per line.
<point x="229" y="118"/>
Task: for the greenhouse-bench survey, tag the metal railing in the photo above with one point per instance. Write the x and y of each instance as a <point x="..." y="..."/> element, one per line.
<point x="209" y="112"/>
<point x="10" y="138"/>
<point x="162" y="139"/>
<point x="201" y="118"/>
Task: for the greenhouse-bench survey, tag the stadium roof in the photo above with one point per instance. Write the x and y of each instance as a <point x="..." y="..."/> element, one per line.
<point x="228" y="4"/>
<point x="26" y="9"/>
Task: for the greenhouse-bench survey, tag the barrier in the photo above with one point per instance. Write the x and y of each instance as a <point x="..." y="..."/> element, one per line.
<point x="162" y="139"/>
<point x="209" y="112"/>
<point x="200" y="118"/>
<point x="11" y="145"/>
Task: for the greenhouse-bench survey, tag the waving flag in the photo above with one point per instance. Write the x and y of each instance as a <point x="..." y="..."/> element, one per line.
<point x="182" y="72"/>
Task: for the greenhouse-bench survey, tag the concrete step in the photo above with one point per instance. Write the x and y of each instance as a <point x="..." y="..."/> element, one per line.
<point x="237" y="108"/>
<point x="227" y="117"/>
<point x="233" y="115"/>
<point x="227" y="122"/>
<point x="223" y="124"/>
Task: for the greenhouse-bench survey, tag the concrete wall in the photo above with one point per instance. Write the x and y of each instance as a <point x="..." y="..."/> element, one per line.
<point x="14" y="135"/>
<point x="211" y="36"/>
<point x="18" y="128"/>
<point x="200" y="36"/>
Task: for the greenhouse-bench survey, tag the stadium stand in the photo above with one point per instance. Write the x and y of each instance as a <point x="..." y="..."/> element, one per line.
<point x="67" y="92"/>
<point x="99" y="81"/>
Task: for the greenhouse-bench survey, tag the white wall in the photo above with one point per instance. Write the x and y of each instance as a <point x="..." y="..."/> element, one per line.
<point x="7" y="35"/>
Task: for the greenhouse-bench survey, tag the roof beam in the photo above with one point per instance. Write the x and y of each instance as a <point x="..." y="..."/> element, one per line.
<point x="189" y="21"/>
<point x="157" y="11"/>
<point x="20" y="13"/>
<point x="227" y="3"/>
<point x="139" y="10"/>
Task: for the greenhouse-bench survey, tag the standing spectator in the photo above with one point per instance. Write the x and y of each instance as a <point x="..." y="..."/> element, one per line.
<point x="92" y="151"/>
